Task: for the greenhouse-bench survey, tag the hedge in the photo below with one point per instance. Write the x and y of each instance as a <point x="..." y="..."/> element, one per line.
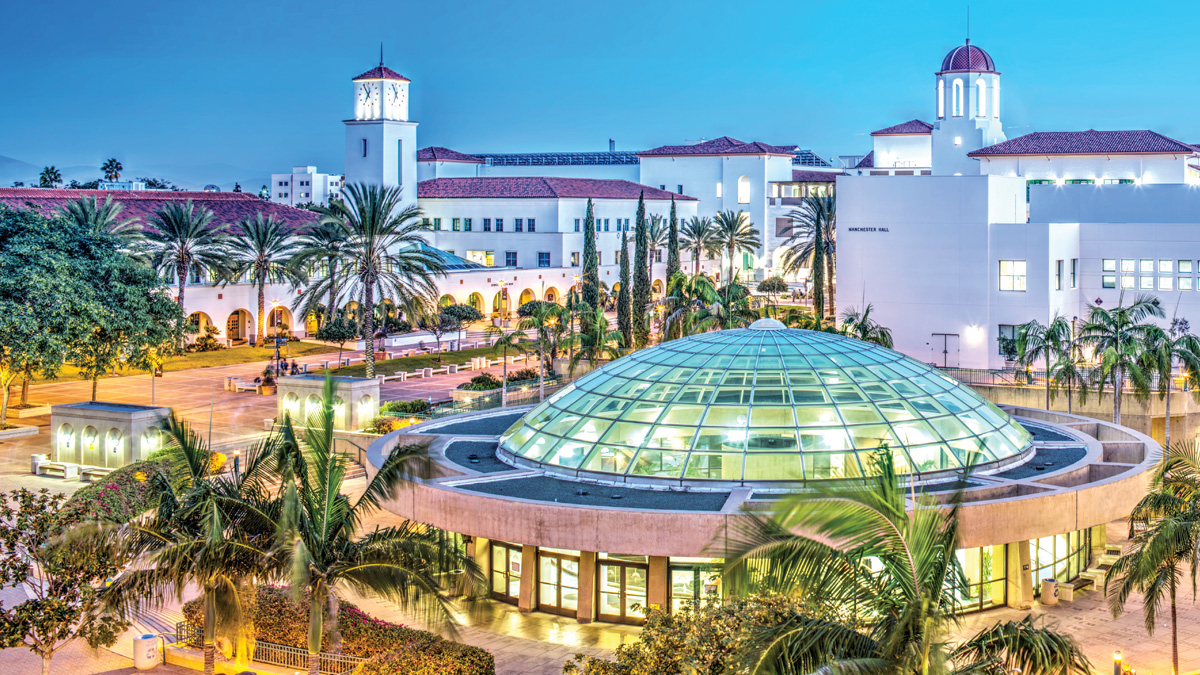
<point x="279" y="620"/>
<point x="117" y="497"/>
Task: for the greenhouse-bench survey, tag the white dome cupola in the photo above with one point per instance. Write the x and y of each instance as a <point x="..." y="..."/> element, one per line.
<point x="967" y="109"/>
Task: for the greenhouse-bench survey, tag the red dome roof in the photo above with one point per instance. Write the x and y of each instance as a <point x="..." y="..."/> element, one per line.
<point x="968" y="57"/>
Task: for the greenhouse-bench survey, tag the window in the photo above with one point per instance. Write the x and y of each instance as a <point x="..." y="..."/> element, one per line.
<point x="510" y="258"/>
<point x="1005" y="332"/>
<point x="783" y="227"/>
<point x="679" y="189"/>
<point x="532" y="225"/>
<point x="1128" y="282"/>
<point x="487" y="224"/>
<point x="520" y="225"/>
<point x="455" y="224"/>
<point x="1035" y="182"/>
<point x="1108" y="265"/>
<point x="1118" y="181"/>
<point x="1166" y="283"/>
<point x="1185" y="283"/>
<point x="774" y="190"/>
<point x="658" y="255"/>
<point x="718" y="190"/>
<point x="1166" y="266"/>
<point x="941" y="95"/>
<point x="1079" y="181"/>
<point x="1074" y="272"/>
<point x="957" y="108"/>
<point x="364" y="147"/>
<point x="1108" y="281"/>
<point x="981" y="98"/>
<point x="485" y="258"/>
<point x="743" y="190"/>
<point x="499" y="224"/>
<point x="996" y="99"/>
<point x="599" y="224"/>
<point x="617" y="257"/>
<point x="577" y="224"/>
<point x="599" y="258"/>
<point x="606" y="224"/>
<point x="662" y="187"/>
<point x="437" y="223"/>
<point x="425" y="224"/>
<point x="466" y="224"/>
<point x="574" y="258"/>
<point x="543" y="258"/>
<point x="1185" y="266"/>
<point x="1058" y="271"/>
<point x="1146" y="283"/>
<point x="1128" y="266"/>
<point x="1146" y="266"/>
<point x="1012" y="275"/>
<point x="626" y="224"/>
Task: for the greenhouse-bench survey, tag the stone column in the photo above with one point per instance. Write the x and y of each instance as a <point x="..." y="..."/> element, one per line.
<point x="657" y="584"/>
<point x="586" y="608"/>
<point x="528" y="601"/>
<point x="480" y="550"/>
<point x="1020" y="590"/>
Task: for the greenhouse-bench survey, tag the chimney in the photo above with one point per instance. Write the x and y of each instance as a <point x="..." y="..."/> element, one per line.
<point x="612" y="145"/>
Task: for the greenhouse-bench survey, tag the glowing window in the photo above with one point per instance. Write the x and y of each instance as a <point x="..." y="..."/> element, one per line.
<point x="957" y="108"/>
<point x="743" y="190"/>
<point x="941" y="96"/>
<point x="981" y="98"/>
<point x="996" y="99"/>
<point x="1012" y="275"/>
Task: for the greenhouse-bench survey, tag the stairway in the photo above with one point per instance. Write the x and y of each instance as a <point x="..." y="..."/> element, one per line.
<point x="355" y="470"/>
<point x="1103" y="563"/>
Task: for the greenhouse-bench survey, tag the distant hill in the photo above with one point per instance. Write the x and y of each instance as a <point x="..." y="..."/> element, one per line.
<point x="14" y="169"/>
<point x="188" y="177"/>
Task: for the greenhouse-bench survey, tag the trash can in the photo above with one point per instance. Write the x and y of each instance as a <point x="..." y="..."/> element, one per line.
<point x="145" y="651"/>
<point x="36" y="461"/>
<point x="1049" y="591"/>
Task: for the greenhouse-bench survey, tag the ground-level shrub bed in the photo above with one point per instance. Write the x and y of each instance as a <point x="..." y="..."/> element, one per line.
<point x="279" y="620"/>
<point x="117" y="497"/>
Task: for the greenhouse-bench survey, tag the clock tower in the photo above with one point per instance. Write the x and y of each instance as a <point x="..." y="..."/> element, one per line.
<point x="381" y="142"/>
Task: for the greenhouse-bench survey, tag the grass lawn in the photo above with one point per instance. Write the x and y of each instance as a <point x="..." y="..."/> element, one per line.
<point x="223" y="357"/>
<point x="410" y="363"/>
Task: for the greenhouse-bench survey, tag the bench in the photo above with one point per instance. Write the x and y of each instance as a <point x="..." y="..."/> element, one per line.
<point x="1067" y="592"/>
<point x="93" y="472"/>
<point x="58" y="469"/>
<point x="241" y="386"/>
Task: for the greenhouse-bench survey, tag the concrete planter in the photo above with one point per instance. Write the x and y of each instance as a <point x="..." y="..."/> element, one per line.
<point x="268" y="389"/>
<point x="38" y="410"/>
<point x="18" y="432"/>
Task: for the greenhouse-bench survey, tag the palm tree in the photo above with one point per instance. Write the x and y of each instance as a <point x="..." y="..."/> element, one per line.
<point x="1046" y="342"/>
<point x="866" y="545"/>
<point x="265" y="252"/>
<point x="324" y="550"/>
<point x="599" y="342"/>
<point x="1155" y="561"/>
<point x="812" y="244"/>
<point x="112" y="169"/>
<point x="543" y="321"/>
<point x="185" y="241"/>
<point x="699" y="238"/>
<point x="1069" y="370"/>
<point x="1118" y="337"/>
<point x="515" y="340"/>
<point x="686" y="305"/>
<point x="321" y="248"/>
<point x="735" y="233"/>
<point x="385" y="254"/>
<point x="860" y="325"/>
<point x="1163" y="349"/>
<point x="89" y="213"/>
<point x="49" y="177"/>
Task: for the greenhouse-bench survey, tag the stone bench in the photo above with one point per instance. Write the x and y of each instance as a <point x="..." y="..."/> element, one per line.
<point x="241" y="386"/>
<point x="59" y="469"/>
<point x="92" y="472"/>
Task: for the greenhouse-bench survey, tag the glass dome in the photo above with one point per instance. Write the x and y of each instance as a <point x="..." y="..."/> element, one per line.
<point x="764" y="403"/>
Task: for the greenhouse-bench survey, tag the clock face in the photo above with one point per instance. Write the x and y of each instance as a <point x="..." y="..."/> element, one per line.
<point x="395" y="92"/>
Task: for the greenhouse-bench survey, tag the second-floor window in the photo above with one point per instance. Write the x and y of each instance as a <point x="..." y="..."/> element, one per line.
<point x="466" y="224"/>
<point x="577" y="221"/>
<point x="575" y="259"/>
<point x="532" y="225"/>
<point x="455" y="224"/>
<point x="499" y="224"/>
<point x="487" y="224"/>
<point x="510" y="258"/>
<point x="520" y="225"/>
<point x="1012" y="275"/>
<point x="543" y="258"/>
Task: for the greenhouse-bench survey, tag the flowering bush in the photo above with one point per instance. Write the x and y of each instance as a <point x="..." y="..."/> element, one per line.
<point x="117" y="497"/>
<point x="279" y="620"/>
<point x="417" y="405"/>
<point x="386" y="424"/>
<point x="441" y="657"/>
<point x="522" y="375"/>
<point x="216" y="461"/>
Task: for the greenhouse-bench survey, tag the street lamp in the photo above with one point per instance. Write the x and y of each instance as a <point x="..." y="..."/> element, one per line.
<point x="153" y="371"/>
<point x="236" y="462"/>
<point x="1117" y="658"/>
<point x="501" y="302"/>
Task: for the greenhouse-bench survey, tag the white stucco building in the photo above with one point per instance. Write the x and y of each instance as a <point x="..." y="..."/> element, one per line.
<point x="957" y="235"/>
<point x="304" y="186"/>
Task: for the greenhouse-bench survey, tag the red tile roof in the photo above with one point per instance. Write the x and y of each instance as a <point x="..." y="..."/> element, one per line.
<point x="227" y="207"/>
<point x="440" y="154"/>
<point x="867" y="162"/>
<point x="968" y="57"/>
<point x="528" y="187"/>
<point x="909" y="128"/>
<point x="802" y="176"/>
<point x="1090" y="142"/>
<point x="721" y="146"/>
<point x="382" y="72"/>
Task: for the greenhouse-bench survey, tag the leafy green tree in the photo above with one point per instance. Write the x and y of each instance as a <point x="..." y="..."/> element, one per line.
<point x="700" y="239"/>
<point x="624" y="316"/>
<point x="773" y="286"/>
<point x="265" y="252"/>
<point x="533" y="306"/>
<point x="859" y="325"/>
<point x="185" y="241"/>
<point x="543" y="322"/>
<point x="434" y="320"/>
<point x="341" y="330"/>
<point x="153" y="183"/>
<point x="237" y="187"/>
<point x="590" y="278"/>
<point x="574" y="308"/>
<point x="1163" y="348"/>
<point x="61" y="578"/>
<point x="112" y="169"/>
<point x="672" y="242"/>
<point x="865" y="544"/>
<point x="686" y="305"/>
<point x="327" y="553"/>
<point x="385" y="255"/>
<point x="640" y="300"/>
<point x="598" y="342"/>
<point x="465" y="314"/>
<point x="812" y="244"/>
<point x="1118" y="338"/>
<point x="320" y="252"/>
<point x="502" y="342"/>
<point x="736" y="234"/>
<point x="50" y="177"/>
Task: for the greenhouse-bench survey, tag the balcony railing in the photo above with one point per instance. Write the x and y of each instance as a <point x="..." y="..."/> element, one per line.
<point x="277" y="655"/>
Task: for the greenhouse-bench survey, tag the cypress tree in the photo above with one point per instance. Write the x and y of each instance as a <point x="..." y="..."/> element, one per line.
<point x="641" y="276"/>
<point x="672" y="244"/>
<point x="818" y="271"/>
<point x="624" y="319"/>
<point x="590" y="277"/>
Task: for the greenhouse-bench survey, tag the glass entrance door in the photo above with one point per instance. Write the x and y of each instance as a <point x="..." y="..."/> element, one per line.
<point x="622" y="585"/>
<point x="558" y="582"/>
<point x="506" y="572"/>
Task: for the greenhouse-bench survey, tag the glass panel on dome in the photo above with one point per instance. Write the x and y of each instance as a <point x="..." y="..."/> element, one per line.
<point x="642" y="411"/>
<point x="708" y="376"/>
<point x="824" y="439"/>
<point x="846" y="393"/>
<point x="872" y="436"/>
<point x="735" y="395"/>
<point x="714" y="466"/>
<point x="658" y="463"/>
<point x="802" y="378"/>
<point x="770" y="395"/>
<point x="861" y="413"/>
<point x="933" y="457"/>
<point x="568" y="453"/>
<point x="683" y="414"/>
<point x="670" y="438"/>
<point x="694" y="394"/>
<point x="768" y="363"/>
<point x="608" y="459"/>
<point x="562" y="424"/>
<point x="517" y="438"/>
<point x="720" y="438"/>
<point x="950" y="428"/>
<point x="679" y="375"/>
<point x="537" y="447"/>
<point x="583" y="403"/>
<point x="661" y="392"/>
<point x="762" y="440"/>
<point x="809" y="395"/>
<point x="590" y="429"/>
<point x="774" y="416"/>
<point x="970" y="451"/>
<point x="738" y="377"/>
<point x="826" y="465"/>
<point x="771" y="378"/>
<point x="774" y="466"/>
<point x="610" y="408"/>
<point x="727" y="416"/>
<point x="818" y="416"/>
<point x="626" y="433"/>
<point x="915" y="432"/>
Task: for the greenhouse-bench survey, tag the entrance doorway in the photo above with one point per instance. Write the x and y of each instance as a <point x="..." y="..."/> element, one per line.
<point x="944" y="350"/>
<point x="622" y="585"/>
<point x="506" y="572"/>
<point x="558" y="582"/>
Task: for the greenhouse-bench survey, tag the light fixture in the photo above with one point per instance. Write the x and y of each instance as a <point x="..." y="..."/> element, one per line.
<point x="1058" y="182"/>
<point x="958" y="140"/>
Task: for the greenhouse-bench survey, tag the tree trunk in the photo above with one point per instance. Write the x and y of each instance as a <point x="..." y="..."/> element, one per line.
<point x="45" y="664"/>
<point x="330" y="310"/>
<point x="369" y="326"/>
<point x="1117" y="396"/>
<point x="1174" y="633"/>
<point x="1167" y="421"/>
<point x="262" y="318"/>
<point x="316" y="614"/>
<point x="210" y="633"/>
<point x="95" y="383"/>
<point x="4" y="396"/>
<point x="25" y="390"/>
<point x="504" y="379"/>
<point x="1069" y="392"/>
<point x="541" y="374"/>
<point x="181" y="272"/>
<point x="1047" y="384"/>
<point x="829" y="295"/>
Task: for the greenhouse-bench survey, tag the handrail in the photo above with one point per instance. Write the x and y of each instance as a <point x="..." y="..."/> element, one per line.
<point x="277" y="655"/>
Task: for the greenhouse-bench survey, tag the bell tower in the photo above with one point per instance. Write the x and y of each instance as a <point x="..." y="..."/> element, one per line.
<point x="381" y="142"/>
<point x="967" y="110"/>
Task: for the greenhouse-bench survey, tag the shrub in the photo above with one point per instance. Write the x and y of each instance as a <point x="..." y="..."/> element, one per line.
<point x="481" y="382"/>
<point x="280" y="620"/>
<point x="385" y="424"/>
<point x="117" y="497"/>
<point x="413" y="407"/>
<point x="527" y="310"/>
<point x="523" y="374"/>
<point x="207" y="342"/>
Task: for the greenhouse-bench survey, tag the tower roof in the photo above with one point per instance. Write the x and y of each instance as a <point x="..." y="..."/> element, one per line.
<point x="382" y="72"/>
<point x="968" y="57"/>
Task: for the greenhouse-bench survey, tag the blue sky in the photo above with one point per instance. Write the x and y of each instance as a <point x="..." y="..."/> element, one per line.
<point x="232" y="90"/>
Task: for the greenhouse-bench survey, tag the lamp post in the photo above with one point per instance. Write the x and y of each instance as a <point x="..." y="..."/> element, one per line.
<point x="153" y="371"/>
<point x="1117" y="658"/>
<point x="501" y="303"/>
<point x="237" y="462"/>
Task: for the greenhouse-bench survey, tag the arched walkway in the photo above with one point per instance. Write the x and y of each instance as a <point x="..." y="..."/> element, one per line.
<point x="200" y="320"/>
<point x="239" y="326"/>
<point x="476" y="301"/>
<point x="552" y="295"/>
<point x="527" y="295"/>
<point x="656" y="288"/>
<point x="279" y="321"/>
<point x="446" y="300"/>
